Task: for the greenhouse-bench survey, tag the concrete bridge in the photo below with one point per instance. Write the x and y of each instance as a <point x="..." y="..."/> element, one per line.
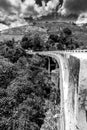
<point x="73" y="87"/>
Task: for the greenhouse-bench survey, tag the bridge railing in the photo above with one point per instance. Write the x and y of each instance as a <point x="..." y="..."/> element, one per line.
<point x="60" y="52"/>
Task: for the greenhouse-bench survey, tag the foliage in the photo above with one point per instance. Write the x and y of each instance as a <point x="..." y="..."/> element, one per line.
<point x="13" y="54"/>
<point x="64" y="40"/>
<point x="25" y="85"/>
<point x="83" y="99"/>
<point x="54" y="37"/>
<point x="10" y="43"/>
<point x="37" y="43"/>
<point x="52" y="120"/>
<point x="26" y="42"/>
<point x="7" y="72"/>
<point x="67" y="31"/>
<point x="32" y="42"/>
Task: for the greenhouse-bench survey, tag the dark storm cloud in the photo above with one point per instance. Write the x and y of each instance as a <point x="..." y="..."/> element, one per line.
<point x="76" y="6"/>
<point x="8" y="7"/>
<point x="60" y="2"/>
<point x="39" y="2"/>
<point x="4" y="4"/>
<point x="20" y="7"/>
<point x="22" y="0"/>
<point x="30" y="11"/>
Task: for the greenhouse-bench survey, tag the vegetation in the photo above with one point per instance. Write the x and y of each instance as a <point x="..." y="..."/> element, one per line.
<point x="25" y="88"/>
<point x="62" y="41"/>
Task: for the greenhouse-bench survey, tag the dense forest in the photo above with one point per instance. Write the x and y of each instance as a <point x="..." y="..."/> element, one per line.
<point x="64" y="40"/>
<point x="28" y="97"/>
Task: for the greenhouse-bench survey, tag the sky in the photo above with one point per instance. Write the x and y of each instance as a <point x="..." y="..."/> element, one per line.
<point x="75" y="6"/>
<point x="22" y="6"/>
<point x="15" y="9"/>
<point x="12" y="12"/>
<point x="28" y="7"/>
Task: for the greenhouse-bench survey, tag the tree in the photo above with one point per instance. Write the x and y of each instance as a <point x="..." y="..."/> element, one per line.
<point x="13" y="54"/>
<point x="28" y="92"/>
<point x="27" y="42"/>
<point x="7" y="72"/>
<point x="54" y="37"/>
<point x="10" y="43"/>
<point x="38" y="43"/>
<point x="67" y="31"/>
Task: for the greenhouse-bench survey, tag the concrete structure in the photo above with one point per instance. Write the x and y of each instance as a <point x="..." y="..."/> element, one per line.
<point x="55" y="77"/>
<point x="73" y="87"/>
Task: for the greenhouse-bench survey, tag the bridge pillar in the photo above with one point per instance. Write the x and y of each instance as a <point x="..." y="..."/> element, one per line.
<point x="49" y="65"/>
<point x="69" y="96"/>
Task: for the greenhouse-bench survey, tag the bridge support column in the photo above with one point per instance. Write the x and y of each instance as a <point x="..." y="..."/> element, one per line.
<point x="49" y="65"/>
<point x="70" y="76"/>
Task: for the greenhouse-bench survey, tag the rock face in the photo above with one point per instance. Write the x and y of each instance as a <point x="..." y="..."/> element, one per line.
<point x="82" y="100"/>
<point x="69" y="96"/>
<point x="73" y="67"/>
<point x="75" y="92"/>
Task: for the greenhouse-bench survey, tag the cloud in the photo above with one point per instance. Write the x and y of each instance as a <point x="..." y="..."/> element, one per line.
<point x="26" y="5"/>
<point x="82" y="19"/>
<point x="15" y="3"/>
<point x="12" y="10"/>
<point x="52" y="4"/>
<point x="39" y="2"/>
<point x="34" y="7"/>
<point x="43" y="7"/>
<point x="74" y="6"/>
<point x="38" y="7"/>
<point x="5" y="4"/>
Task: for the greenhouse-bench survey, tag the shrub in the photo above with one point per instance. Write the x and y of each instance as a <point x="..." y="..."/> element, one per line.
<point x="60" y="46"/>
<point x="3" y="93"/>
<point x="10" y="43"/>
<point x="38" y="43"/>
<point x="29" y="90"/>
<point x="34" y="23"/>
<point x="13" y="54"/>
<point x="67" y="31"/>
<point x="7" y="73"/>
<point x="27" y="42"/>
<point x="54" y="37"/>
<point x="24" y="39"/>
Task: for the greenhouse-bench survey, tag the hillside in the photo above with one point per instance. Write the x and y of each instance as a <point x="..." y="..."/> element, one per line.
<point x="45" y="27"/>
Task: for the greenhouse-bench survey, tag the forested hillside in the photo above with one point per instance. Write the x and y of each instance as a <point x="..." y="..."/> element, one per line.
<point x="26" y="90"/>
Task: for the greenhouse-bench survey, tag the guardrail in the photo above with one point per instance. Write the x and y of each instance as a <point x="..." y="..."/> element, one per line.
<point x="60" y="52"/>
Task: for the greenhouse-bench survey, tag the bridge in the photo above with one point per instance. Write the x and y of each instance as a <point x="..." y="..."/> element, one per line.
<point x="73" y="87"/>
